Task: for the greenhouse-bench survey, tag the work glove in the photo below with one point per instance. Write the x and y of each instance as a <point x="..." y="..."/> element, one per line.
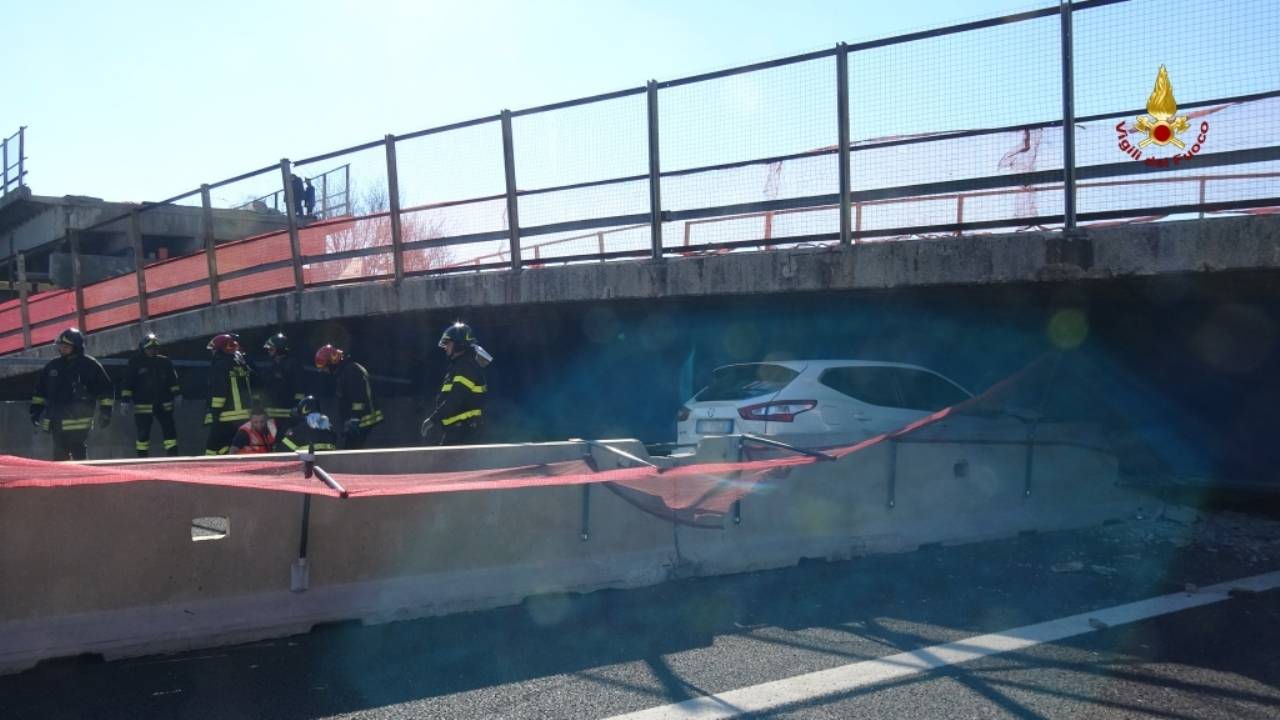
<point x="351" y="427"/>
<point x="104" y="420"/>
<point x="126" y="407"/>
<point x="41" y="424"/>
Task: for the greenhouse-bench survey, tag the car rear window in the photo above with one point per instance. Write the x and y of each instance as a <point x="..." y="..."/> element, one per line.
<point x="742" y="382"/>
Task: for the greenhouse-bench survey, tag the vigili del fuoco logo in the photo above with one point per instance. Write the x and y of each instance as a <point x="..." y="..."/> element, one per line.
<point x="1162" y="126"/>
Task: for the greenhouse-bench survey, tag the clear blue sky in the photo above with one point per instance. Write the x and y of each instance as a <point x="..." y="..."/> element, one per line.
<point x="141" y="100"/>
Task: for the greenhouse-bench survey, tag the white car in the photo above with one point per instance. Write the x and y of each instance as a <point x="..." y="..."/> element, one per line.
<point x="814" y="403"/>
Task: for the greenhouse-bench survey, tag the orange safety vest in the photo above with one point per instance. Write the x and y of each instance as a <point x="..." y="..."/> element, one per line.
<point x="258" y="442"/>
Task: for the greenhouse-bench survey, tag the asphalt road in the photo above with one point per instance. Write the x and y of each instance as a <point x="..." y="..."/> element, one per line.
<point x="614" y="652"/>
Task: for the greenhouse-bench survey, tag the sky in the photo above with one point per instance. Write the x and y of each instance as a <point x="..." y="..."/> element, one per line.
<point x="143" y="100"/>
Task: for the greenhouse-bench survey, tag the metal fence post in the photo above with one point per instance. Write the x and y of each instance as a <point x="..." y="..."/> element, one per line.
<point x="22" y="153"/>
<point x="655" y="176"/>
<point x="24" y="311"/>
<point x="513" y="215"/>
<point x="393" y="189"/>
<point x="139" y="263"/>
<point x="4" y="164"/>
<point x="210" y="243"/>
<point x="295" y="245"/>
<point x="1068" y="123"/>
<point x="77" y="282"/>
<point x="842" y="117"/>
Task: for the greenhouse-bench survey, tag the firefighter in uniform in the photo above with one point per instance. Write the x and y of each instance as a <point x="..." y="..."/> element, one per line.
<point x="284" y="387"/>
<point x="230" y="393"/>
<point x="459" y="413"/>
<point x="69" y="388"/>
<point x="311" y="429"/>
<point x="356" y="407"/>
<point x="256" y="436"/>
<point x="151" y="388"/>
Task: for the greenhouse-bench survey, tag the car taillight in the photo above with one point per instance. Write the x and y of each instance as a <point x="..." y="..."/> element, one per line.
<point x="682" y="414"/>
<point x="784" y="411"/>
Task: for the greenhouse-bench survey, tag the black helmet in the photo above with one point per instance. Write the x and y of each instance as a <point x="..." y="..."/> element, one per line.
<point x="149" y="340"/>
<point x="306" y="406"/>
<point x="278" y="342"/>
<point x="460" y="334"/>
<point x="73" y="337"/>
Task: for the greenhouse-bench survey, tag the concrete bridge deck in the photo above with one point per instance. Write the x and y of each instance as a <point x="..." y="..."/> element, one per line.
<point x="1214" y="245"/>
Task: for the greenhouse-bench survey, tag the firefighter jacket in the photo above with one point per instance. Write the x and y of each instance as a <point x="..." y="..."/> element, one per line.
<point x="285" y="386"/>
<point x="230" y="389"/>
<point x="249" y="440"/>
<point x="355" y="395"/>
<point x="462" y="394"/>
<point x="314" y="432"/>
<point x="150" y="383"/>
<point x="67" y="391"/>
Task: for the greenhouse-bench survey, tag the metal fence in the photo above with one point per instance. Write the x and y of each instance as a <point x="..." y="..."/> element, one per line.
<point x="1058" y="118"/>
<point x="13" y="161"/>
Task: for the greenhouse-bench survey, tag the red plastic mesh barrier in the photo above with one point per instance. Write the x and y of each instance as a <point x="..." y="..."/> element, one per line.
<point x="251" y="253"/>
<point x="49" y="333"/>
<point x="110" y="291"/>
<point x="697" y="495"/>
<point x="284" y="476"/>
<point x="256" y="284"/>
<point x="176" y="271"/>
<point x="11" y="343"/>
<point x="111" y="317"/>
<point x="178" y="301"/>
<point x="51" y="305"/>
<point x="11" y="321"/>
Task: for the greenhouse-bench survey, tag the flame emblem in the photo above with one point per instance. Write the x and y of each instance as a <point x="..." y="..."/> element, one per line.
<point x="1162" y="124"/>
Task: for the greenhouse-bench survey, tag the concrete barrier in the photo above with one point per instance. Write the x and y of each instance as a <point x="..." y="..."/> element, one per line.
<point x="113" y="569"/>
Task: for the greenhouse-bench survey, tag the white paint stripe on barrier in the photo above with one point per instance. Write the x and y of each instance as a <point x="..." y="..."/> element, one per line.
<point x="811" y="686"/>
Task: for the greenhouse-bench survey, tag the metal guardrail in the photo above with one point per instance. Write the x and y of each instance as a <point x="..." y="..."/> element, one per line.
<point x="395" y="242"/>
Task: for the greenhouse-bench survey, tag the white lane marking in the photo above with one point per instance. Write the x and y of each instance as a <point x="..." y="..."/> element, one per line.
<point x="801" y="688"/>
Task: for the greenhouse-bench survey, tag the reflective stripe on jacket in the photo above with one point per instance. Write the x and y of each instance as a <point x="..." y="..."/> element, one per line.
<point x="463" y="392"/>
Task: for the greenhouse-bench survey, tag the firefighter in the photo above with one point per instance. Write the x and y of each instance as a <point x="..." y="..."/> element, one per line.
<point x="285" y="386"/>
<point x="151" y="389"/>
<point x="356" y="407"/>
<point x="230" y="392"/>
<point x="67" y="391"/>
<point x="259" y="435"/>
<point x="459" y="413"/>
<point x="311" y="429"/>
